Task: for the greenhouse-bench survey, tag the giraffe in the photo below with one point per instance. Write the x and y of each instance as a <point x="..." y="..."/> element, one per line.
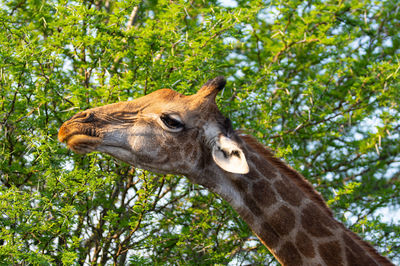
<point x="167" y="132"/>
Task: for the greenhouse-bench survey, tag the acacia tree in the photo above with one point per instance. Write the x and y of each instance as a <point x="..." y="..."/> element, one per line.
<point x="317" y="81"/>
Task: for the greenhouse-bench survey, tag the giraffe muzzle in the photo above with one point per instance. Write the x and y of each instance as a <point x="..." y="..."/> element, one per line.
<point x="79" y="134"/>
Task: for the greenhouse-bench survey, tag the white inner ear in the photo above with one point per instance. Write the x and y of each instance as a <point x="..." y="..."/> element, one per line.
<point x="227" y="155"/>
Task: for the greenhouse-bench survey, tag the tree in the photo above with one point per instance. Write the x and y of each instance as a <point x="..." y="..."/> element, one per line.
<point x="316" y="81"/>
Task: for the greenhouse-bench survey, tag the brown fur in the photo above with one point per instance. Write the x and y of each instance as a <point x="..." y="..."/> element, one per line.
<point x="303" y="243"/>
<point x="290" y="255"/>
<point x="298" y="179"/>
<point x="282" y="220"/>
<point x="262" y="188"/>
<point x="308" y="189"/>
<point x="371" y="250"/>
<point x="329" y="253"/>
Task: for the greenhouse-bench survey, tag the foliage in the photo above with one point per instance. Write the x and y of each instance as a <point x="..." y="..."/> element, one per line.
<point x="317" y="81"/>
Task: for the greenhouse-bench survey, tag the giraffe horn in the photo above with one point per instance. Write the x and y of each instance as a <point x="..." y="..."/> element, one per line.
<point x="211" y="88"/>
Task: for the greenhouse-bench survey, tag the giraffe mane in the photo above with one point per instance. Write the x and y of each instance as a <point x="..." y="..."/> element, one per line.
<point x="367" y="246"/>
<point x="307" y="188"/>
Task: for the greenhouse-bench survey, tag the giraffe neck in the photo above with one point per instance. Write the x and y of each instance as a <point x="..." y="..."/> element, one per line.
<point x="288" y="215"/>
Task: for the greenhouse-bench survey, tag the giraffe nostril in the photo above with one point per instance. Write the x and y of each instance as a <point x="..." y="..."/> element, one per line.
<point x="91" y="132"/>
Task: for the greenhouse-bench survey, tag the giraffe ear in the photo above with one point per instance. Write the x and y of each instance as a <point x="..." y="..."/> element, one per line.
<point x="227" y="155"/>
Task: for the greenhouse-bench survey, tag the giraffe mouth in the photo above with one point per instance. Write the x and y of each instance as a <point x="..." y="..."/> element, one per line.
<point x="82" y="144"/>
<point x="80" y="141"/>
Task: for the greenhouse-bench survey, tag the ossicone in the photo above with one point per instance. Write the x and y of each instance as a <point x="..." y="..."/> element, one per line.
<point x="211" y="88"/>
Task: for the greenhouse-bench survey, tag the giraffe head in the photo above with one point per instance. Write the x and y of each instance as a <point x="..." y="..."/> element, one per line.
<point x="165" y="132"/>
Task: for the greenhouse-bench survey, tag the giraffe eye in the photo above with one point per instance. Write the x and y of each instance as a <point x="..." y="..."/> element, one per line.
<point x="172" y="122"/>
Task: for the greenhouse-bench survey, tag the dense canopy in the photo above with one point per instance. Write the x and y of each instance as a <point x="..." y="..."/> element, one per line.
<point x="316" y="81"/>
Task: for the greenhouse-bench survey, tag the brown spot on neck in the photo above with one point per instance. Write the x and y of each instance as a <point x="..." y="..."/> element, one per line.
<point x="283" y="220"/>
<point x="268" y="235"/>
<point x="289" y="192"/>
<point x="315" y="221"/>
<point x="289" y="255"/>
<point x="305" y="245"/>
<point x="263" y="193"/>
<point x="330" y="253"/>
<point x="252" y="205"/>
<point x="355" y="251"/>
<point x="271" y="161"/>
